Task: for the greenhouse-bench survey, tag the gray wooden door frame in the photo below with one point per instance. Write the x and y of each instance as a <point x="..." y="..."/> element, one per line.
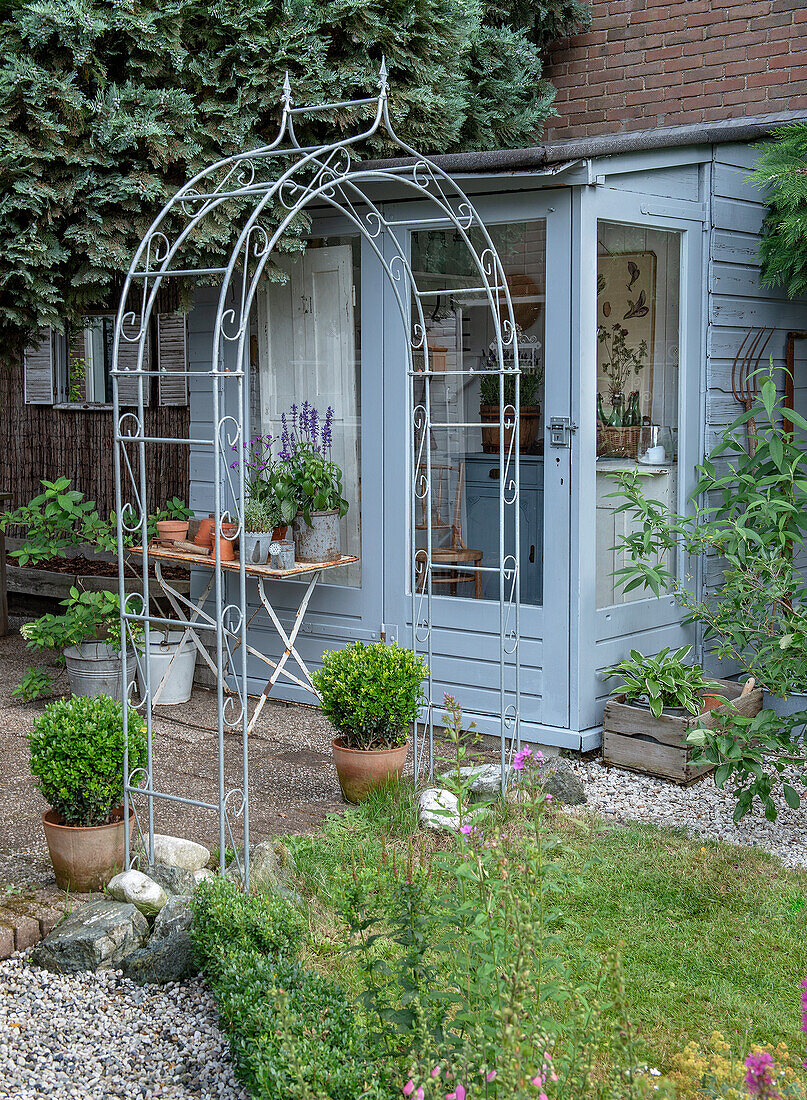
<point x="467" y="629"/>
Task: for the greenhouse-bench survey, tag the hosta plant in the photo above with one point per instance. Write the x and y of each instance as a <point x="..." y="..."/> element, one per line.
<point x="662" y="681"/>
<point x="77" y="756"/>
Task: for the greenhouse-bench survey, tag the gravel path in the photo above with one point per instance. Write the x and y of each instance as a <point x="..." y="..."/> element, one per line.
<point x="702" y="809"/>
<point x="88" y="1036"/>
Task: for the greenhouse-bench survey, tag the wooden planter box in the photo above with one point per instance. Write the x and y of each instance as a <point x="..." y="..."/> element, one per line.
<point x="632" y="738"/>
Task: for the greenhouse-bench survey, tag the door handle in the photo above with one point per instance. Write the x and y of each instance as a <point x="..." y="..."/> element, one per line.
<point x="493" y="473"/>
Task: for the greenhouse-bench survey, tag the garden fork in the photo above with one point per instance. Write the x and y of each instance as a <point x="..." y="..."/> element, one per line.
<point x="743" y="375"/>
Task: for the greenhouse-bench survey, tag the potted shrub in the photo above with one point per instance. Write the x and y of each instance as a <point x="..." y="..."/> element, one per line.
<point x="316" y="481"/>
<point x="77" y="761"/>
<point x="664" y="683"/>
<point x="372" y="695"/>
<point x="88" y="633"/>
<point x="529" y="414"/>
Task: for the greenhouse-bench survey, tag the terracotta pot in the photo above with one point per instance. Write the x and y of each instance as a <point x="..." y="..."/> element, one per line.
<point x="710" y="701"/>
<point x="85" y="857"/>
<point x="204" y="536"/>
<point x="529" y="421"/>
<point x="361" y="770"/>
<point x="279" y="534"/>
<point x="172" y="530"/>
<point x="227" y="543"/>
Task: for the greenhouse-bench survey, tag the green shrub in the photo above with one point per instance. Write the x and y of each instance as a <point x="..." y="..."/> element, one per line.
<point x="371" y="693"/>
<point x="293" y="1033"/>
<point x="663" y="681"/>
<point x="77" y="756"/>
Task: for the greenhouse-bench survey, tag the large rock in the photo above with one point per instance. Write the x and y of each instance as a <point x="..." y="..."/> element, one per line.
<point x="559" y="780"/>
<point x="438" y="809"/>
<point x="175" y="916"/>
<point x="205" y="875"/>
<point x="177" y="852"/>
<point x="174" y="880"/>
<point x="167" y="959"/>
<point x="271" y="865"/>
<point x="139" y="890"/>
<point x="97" y="936"/>
<point x="484" y="781"/>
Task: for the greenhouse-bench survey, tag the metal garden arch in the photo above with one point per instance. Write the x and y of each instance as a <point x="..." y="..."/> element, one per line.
<point x="265" y="191"/>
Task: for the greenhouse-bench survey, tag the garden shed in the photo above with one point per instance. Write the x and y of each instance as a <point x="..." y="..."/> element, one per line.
<point x="634" y="283"/>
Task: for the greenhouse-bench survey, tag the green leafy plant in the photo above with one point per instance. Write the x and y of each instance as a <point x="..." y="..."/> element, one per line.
<point x="78" y="376"/>
<point x="175" y="508"/>
<point x="371" y="693"/>
<point x="782" y="173"/>
<point x="529" y="388"/>
<point x="77" y="756"/>
<point x="750" y="513"/>
<point x="56" y="520"/>
<point x="88" y="616"/>
<point x="663" y="681"/>
<point x="316" y="479"/>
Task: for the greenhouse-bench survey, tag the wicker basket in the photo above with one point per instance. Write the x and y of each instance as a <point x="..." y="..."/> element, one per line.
<point x="617" y="442"/>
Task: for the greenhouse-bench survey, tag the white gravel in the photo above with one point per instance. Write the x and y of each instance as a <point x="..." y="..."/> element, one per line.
<point x="88" y="1036"/>
<point x="702" y="809"/>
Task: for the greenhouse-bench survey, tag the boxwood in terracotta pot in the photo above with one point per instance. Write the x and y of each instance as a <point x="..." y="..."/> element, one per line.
<point x="372" y="695"/>
<point x="77" y="761"/>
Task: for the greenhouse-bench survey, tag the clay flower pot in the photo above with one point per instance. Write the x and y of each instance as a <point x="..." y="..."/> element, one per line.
<point x="227" y="542"/>
<point x="172" y="530"/>
<point x="85" y="857"/>
<point x="361" y="770"/>
<point x="204" y="536"/>
<point x="279" y="534"/>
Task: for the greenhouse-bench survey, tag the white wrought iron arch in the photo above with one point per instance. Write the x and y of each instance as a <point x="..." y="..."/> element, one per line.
<point x="323" y="175"/>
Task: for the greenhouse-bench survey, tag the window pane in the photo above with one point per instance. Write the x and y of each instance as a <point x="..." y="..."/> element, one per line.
<point x="638" y="337"/>
<point x="465" y="461"/>
<point x="309" y="340"/>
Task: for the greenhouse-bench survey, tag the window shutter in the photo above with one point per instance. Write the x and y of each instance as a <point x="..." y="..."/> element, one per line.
<point x="172" y="354"/>
<point x="127" y="360"/>
<point x="38" y="370"/>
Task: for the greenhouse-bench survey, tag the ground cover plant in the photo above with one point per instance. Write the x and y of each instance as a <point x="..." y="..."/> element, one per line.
<point x="535" y="954"/>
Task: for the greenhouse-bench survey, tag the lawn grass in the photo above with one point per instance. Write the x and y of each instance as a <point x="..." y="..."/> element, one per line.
<point x="712" y="936"/>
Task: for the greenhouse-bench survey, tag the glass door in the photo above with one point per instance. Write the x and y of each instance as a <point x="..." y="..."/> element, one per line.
<point x="464" y="462"/>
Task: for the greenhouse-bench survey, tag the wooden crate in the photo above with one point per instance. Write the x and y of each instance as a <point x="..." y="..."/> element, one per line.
<point x="632" y="738"/>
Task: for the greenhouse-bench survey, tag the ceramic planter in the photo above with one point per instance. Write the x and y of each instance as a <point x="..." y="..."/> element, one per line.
<point x="362" y="770"/>
<point x="322" y="541"/>
<point x="529" y="421"/>
<point x="84" y="858"/>
<point x="171" y="531"/>
<point x="255" y="547"/>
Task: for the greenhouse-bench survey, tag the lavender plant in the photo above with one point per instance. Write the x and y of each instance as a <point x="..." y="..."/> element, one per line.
<point x="309" y="470"/>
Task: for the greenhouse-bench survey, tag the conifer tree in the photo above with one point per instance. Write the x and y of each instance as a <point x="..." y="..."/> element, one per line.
<point x="108" y="106"/>
<point x="782" y="171"/>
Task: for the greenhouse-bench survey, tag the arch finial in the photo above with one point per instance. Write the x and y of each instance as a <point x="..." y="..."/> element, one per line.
<point x="383" y="75"/>
<point x="286" y="97"/>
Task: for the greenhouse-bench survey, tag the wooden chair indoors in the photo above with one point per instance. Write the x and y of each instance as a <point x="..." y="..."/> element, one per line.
<point x="449" y="559"/>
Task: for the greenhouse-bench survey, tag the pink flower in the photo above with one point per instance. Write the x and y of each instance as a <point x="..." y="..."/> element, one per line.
<point x="466" y="830"/>
<point x="803" y="984"/>
<point x="409" y="1087"/>
<point x="521" y="757"/>
<point x="491" y="1076"/>
<point x="458" y="1094"/>
<point x="758" y="1077"/>
<point x="419" y="1094"/>
<point x="436" y="1071"/>
<point x="549" y="798"/>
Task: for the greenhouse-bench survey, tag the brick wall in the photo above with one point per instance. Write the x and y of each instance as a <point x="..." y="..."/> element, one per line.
<point x="645" y="64"/>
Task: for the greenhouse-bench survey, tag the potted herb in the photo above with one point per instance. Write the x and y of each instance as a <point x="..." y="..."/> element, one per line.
<point x="270" y="485"/>
<point x="77" y="761"/>
<point x="260" y="521"/>
<point x="529" y="413"/>
<point x="372" y="695"/>
<point x="317" y="481"/>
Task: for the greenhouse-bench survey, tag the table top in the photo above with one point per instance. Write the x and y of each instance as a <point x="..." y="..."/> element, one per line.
<point x="180" y="557"/>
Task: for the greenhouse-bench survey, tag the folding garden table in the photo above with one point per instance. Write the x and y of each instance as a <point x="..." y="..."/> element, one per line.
<point x="191" y="612"/>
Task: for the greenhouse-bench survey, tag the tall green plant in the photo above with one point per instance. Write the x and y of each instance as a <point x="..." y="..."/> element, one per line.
<point x="782" y="174"/>
<point x="106" y="108"/>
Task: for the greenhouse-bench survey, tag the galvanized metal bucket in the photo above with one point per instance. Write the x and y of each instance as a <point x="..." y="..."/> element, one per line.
<point x="322" y="541"/>
<point x="255" y="546"/>
<point x="171" y="666"/>
<point x="94" y="668"/>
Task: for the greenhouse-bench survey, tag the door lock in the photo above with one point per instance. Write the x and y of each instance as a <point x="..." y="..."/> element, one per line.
<point x="560" y="431"/>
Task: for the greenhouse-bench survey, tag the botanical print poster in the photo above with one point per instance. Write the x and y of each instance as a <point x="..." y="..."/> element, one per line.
<point x="626" y="319"/>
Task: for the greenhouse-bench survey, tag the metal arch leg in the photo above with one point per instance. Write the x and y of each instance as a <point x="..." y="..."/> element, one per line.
<point x="290" y="650"/>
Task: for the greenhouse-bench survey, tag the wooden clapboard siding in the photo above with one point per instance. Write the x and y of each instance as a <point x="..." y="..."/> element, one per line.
<point x="39" y="441"/>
